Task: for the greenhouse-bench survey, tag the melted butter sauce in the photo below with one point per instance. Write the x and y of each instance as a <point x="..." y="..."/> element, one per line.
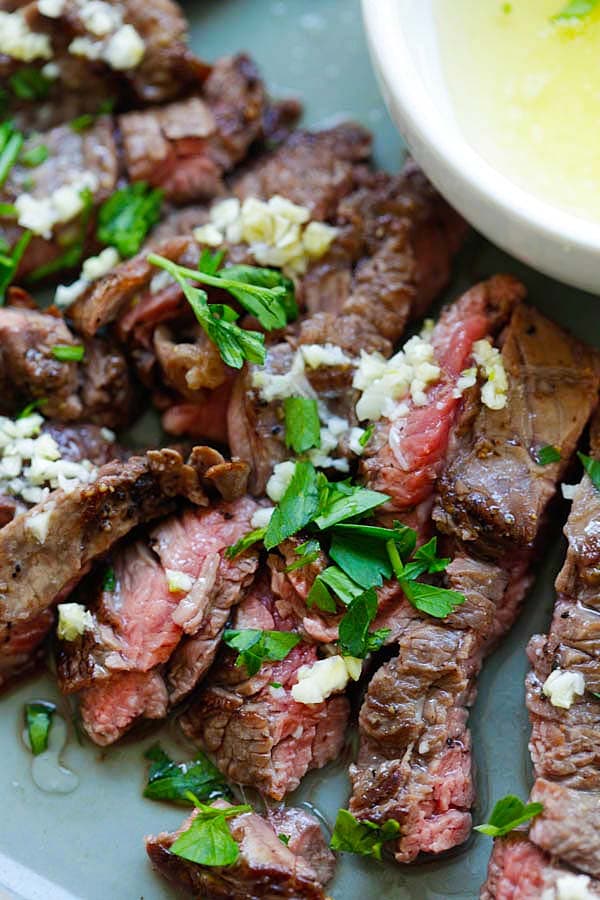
<point x="46" y="769"/>
<point x="526" y="93"/>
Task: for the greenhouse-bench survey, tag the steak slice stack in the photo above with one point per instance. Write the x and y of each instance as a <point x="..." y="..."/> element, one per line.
<point x="566" y="728"/>
<point x="255" y="730"/>
<point x="157" y="628"/>
<point x="414" y="762"/>
<point x="267" y="868"/>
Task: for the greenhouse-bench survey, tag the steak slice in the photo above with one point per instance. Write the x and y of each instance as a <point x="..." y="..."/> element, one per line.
<point x="519" y="870"/>
<point x="266" y="869"/>
<point x="414" y="762"/>
<point x="258" y="734"/>
<point x="79" y="527"/>
<point x="146" y="627"/>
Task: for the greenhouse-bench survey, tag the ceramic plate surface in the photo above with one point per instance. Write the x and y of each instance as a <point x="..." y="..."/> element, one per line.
<point x="88" y="845"/>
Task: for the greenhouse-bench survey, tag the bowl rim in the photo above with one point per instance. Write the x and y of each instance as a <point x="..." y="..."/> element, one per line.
<point x="385" y="33"/>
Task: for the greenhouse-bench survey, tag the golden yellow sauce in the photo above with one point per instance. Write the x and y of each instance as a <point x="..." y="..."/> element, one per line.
<point x="526" y="93"/>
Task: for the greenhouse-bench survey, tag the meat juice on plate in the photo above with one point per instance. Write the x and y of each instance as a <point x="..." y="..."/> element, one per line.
<point x="47" y="771"/>
<point x="523" y="80"/>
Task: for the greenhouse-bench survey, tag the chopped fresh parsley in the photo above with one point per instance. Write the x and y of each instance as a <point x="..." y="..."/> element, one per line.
<point x="355" y="638"/>
<point x="38" y="721"/>
<point x="11" y="142"/>
<point x="255" y="647"/>
<point x="366" y="435"/>
<point x="298" y="506"/>
<point x="35" y="156"/>
<point x="284" y="838"/>
<point x="343" y="587"/>
<point x="308" y="553"/>
<point x="320" y="596"/>
<point x="9" y="263"/>
<point x="592" y="467"/>
<point x="83" y="122"/>
<point x="346" y="502"/>
<point x="31" y="407"/>
<point x="74" y="251"/>
<point x="127" y="216"/>
<point x="208" y="841"/>
<point x="68" y="352"/>
<point x="576" y="9"/>
<point x="168" y="780"/>
<point x="508" y="814"/>
<point x="235" y="344"/>
<point x="362" y="836"/>
<point x="302" y="425"/>
<point x="109" y="581"/>
<point x="275" y="684"/>
<point x="434" y="601"/>
<point x="8" y="211"/>
<point x="30" y="84"/>
<point x="547" y="455"/>
<point x="248" y="540"/>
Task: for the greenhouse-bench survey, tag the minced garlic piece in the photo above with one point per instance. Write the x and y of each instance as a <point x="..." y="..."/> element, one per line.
<point x="317" y="356"/>
<point x="53" y="9"/>
<point x="277" y="387"/>
<point x="262" y="516"/>
<point x="95" y="267"/>
<point x="574" y="887"/>
<point x="279" y="481"/>
<point x="41" y="215"/>
<point x="562" y="687"/>
<point x="73" y="620"/>
<point x="37" y="524"/>
<point x="568" y="491"/>
<point x="179" y="582"/>
<point x="494" y="391"/>
<point x="18" y="41"/>
<point x="277" y="231"/>
<point x="325" y="677"/>
<point x="99" y="17"/>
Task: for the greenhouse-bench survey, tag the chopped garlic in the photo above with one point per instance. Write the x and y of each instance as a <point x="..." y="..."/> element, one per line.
<point x="574" y="887"/>
<point x="107" y="434"/>
<point x="569" y="491"/>
<point x="278" y="231"/>
<point x="95" y="267"/>
<point x="65" y="294"/>
<point x="325" y="677"/>
<point x="18" y="41"/>
<point x="99" y="17"/>
<point x="319" y="355"/>
<point x="123" y="50"/>
<point x="37" y="524"/>
<point x="262" y="517"/>
<point x="494" y="391"/>
<point x="562" y="687"/>
<point x="51" y="71"/>
<point x="179" y="582"/>
<point x="279" y="481"/>
<point x="53" y="9"/>
<point x="277" y="387"/>
<point x="331" y="433"/>
<point x="63" y="204"/>
<point x="73" y="620"/>
<point x="467" y="379"/>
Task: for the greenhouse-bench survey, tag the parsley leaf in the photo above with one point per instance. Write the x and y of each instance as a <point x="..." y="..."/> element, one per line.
<point x="83" y="122"/>
<point x="355" y="639"/>
<point x="35" y="156"/>
<point x="30" y="84"/>
<point x="302" y="425"/>
<point x="11" y="142"/>
<point x="507" y="814"/>
<point x="427" y="598"/>
<point x="127" y="216"/>
<point x="168" y="780"/>
<point x="592" y="467"/>
<point x="68" y="352"/>
<point x="547" y="455"/>
<point x="320" y="596"/>
<point x="347" y="505"/>
<point x="109" y="582"/>
<point x="366" y="435"/>
<point x="576" y="9"/>
<point x="31" y="407"/>
<point x="284" y="838"/>
<point x="38" y="720"/>
<point x="10" y="264"/>
<point x="7" y="211"/>
<point x="425" y="559"/>
<point x="248" y="540"/>
<point x="361" y="557"/>
<point x="308" y="553"/>
<point x="241" y="282"/>
<point x="208" y="841"/>
<point x="255" y="647"/>
<point x="345" y="588"/>
<point x="298" y="506"/>
<point x="362" y="836"/>
<point x="235" y="344"/>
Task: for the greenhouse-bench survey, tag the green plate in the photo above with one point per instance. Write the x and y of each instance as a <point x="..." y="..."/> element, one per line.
<point x="89" y="844"/>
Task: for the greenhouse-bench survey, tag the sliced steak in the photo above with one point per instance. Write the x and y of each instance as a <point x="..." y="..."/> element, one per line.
<point x="258" y="734"/>
<point x="78" y="442"/>
<point x="267" y="869"/>
<point x="519" y="870"/>
<point x="146" y="626"/>
<point x="414" y="762"/>
<point x="79" y="527"/>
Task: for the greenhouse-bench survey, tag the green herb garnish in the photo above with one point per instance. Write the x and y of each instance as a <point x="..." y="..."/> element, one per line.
<point x="83" y="122"/>
<point x="68" y="352"/>
<point x="308" y="552"/>
<point x="284" y="838"/>
<point x="592" y="467"/>
<point x="427" y="598"/>
<point x="347" y="502"/>
<point x="30" y="84"/>
<point x="508" y="814"/>
<point x="366" y="435"/>
<point x="35" y="156"/>
<point x="127" y="216"/>
<point x="38" y="721"/>
<point x="547" y="455"/>
<point x="298" y="506"/>
<point x="255" y="647"/>
<point x="10" y="263"/>
<point x="248" y="540"/>
<point x="208" y="841"/>
<point x="11" y="142"/>
<point x="362" y="836"/>
<point x="576" y="9"/>
<point x="31" y="407"/>
<point x="302" y="425"/>
<point x="355" y="637"/>
<point x="168" y="780"/>
<point x="8" y="211"/>
<point x="109" y="581"/>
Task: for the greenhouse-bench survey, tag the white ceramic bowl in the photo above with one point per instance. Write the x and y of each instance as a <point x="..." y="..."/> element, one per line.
<point x="404" y="48"/>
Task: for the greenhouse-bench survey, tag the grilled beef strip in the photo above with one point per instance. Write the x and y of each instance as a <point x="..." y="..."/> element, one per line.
<point x="99" y="389"/>
<point x="519" y="870"/>
<point x="258" y="734"/>
<point x="564" y="741"/>
<point x="150" y="640"/>
<point x="409" y="237"/>
<point x="414" y="762"/>
<point x="267" y="868"/>
<point x="82" y="526"/>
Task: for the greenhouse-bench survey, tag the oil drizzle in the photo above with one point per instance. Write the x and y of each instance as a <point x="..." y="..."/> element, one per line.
<point x="46" y="769"/>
